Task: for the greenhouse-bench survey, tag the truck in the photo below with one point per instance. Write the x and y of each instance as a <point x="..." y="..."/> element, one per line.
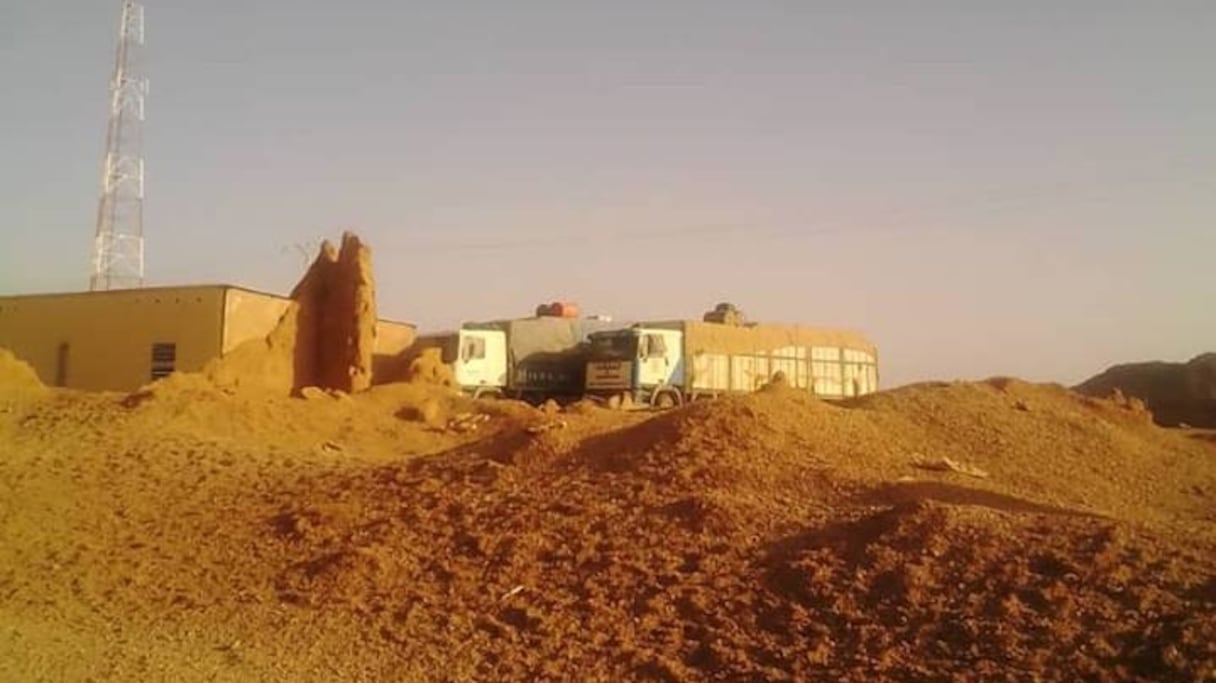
<point x="473" y="360"/>
<point x="532" y="359"/>
<point x="665" y="364"/>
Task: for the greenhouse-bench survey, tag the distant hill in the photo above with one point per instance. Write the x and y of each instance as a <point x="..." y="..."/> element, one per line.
<point x="1175" y="392"/>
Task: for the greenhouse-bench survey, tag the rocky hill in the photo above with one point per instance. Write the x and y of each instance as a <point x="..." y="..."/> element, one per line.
<point x="1176" y="393"/>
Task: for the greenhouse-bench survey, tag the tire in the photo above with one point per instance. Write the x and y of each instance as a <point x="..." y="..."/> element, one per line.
<point x="665" y="400"/>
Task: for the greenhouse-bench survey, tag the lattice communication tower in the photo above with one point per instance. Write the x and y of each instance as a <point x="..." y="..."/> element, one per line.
<point x="118" y="246"/>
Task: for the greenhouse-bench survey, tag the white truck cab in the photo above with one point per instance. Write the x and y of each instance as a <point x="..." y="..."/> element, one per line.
<point x="477" y="359"/>
<point x="640" y="364"/>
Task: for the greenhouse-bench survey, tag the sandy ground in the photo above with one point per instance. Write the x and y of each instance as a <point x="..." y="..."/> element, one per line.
<point x="189" y="533"/>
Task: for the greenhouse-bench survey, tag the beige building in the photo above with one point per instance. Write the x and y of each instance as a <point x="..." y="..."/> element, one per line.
<point x="122" y="339"/>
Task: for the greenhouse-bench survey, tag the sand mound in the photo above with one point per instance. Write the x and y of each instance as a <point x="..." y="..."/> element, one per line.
<point x="765" y="420"/>
<point x="427" y="367"/>
<point x="16" y="374"/>
<point x="1176" y="393"/>
<point x="274" y="363"/>
<point x="760" y="537"/>
<point x="1039" y="443"/>
<point x="922" y="589"/>
<point x="738" y="538"/>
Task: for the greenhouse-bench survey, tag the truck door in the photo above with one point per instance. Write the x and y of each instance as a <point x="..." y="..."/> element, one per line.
<point x="482" y="361"/>
<point x="496" y="359"/>
<point x="658" y="359"/>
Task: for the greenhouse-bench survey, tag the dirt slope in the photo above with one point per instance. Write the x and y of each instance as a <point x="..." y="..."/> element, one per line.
<point x="191" y="533"/>
<point x="1177" y="393"/>
<point x="17" y="376"/>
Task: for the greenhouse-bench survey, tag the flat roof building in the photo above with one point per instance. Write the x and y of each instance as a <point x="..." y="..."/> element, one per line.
<point x="122" y="339"/>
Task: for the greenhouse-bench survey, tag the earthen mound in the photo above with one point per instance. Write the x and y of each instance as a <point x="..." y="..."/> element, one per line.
<point x="775" y="533"/>
<point x="275" y="362"/>
<point x="427" y="367"/>
<point x="760" y="537"/>
<point x="17" y="375"/>
<point x="1176" y="393"/>
<point x="1039" y="443"/>
<point x="928" y="588"/>
<point x="741" y="443"/>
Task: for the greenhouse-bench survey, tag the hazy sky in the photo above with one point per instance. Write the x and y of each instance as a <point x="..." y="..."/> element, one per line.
<point x="985" y="188"/>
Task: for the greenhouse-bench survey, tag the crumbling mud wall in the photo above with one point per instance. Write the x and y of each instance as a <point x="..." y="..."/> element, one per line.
<point x="327" y="336"/>
<point x="311" y="297"/>
<point x="348" y="340"/>
<point x="273" y="363"/>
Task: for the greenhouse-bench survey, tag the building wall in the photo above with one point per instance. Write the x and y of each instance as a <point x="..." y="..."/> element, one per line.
<point x="104" y="340"/>
<point x="393" y="338"/>
<point x="250" y="315"/>
<point x="389" y="362"/>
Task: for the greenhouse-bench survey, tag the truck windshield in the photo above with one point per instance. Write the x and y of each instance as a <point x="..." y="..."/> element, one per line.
<point x="614" y="346"/>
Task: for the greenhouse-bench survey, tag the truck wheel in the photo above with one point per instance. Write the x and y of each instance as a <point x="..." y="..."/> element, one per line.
<point x="666" y="399"/>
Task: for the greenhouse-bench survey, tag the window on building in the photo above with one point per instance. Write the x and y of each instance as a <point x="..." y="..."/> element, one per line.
<point x="164" y="359"/>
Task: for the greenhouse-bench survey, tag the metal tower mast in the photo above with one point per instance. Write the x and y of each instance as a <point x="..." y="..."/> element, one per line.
<point x="118" y="247"/>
